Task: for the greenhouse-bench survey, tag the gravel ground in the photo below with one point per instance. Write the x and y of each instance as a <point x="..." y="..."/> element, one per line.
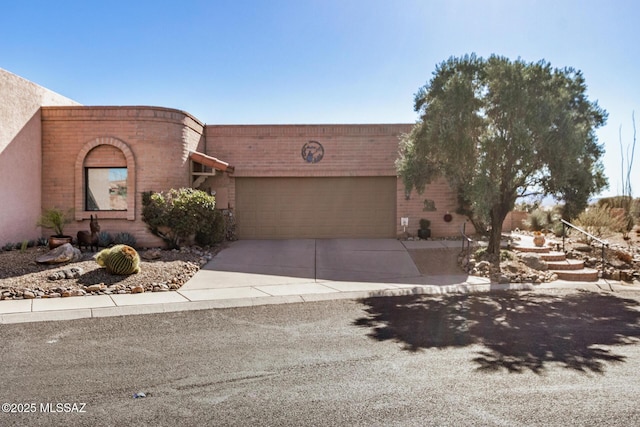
<point x="21" y="277"/>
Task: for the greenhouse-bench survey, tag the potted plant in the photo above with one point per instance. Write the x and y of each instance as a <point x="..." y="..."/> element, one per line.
<point x="56" y="219"/>
<point x="425" y="231"/>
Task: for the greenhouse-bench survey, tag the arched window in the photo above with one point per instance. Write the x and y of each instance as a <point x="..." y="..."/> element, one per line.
<point x="105" y="180"/>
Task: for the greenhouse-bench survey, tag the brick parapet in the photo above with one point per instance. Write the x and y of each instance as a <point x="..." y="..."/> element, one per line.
<point x="138" y="113"/>
<point x="276" y="150"/>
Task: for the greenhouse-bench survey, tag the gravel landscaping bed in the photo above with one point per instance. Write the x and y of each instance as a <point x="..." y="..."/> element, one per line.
<point x="161" y="270"/>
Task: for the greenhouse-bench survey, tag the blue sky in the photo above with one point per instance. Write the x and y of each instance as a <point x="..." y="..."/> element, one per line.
<point x="326" y="61"/>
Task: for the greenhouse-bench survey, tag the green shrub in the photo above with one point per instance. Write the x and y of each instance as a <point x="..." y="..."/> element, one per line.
<point x="557" y="229"/>
<point x="480" y="253"/>
<point x="506" y="255"/>
<point x="43" y="241"/>
<point x="178" y="215"/>
<point x="8" y="247"/>
<point x="212" y="233"/>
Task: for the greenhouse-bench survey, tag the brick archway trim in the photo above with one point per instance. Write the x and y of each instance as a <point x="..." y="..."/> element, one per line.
<point x="130" y="213"/>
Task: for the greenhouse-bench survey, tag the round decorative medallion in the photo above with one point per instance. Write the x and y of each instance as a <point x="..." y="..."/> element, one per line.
<point x="312" y="152"/>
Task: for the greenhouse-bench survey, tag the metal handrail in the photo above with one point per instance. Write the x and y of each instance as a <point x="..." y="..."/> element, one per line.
<point x="566" y="224"/>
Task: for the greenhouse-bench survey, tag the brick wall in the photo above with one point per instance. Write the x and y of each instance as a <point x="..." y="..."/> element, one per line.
<point x="444" y="201"/>
<point x="275" y="150"/>
<point x="156" y="142"/>
<point x="349" y="150"/>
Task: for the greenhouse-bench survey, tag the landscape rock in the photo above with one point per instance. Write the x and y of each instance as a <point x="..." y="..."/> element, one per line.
<point x="151" y="254"/>
<point x="95" y="288"/>
<point x="61" y="254"/>
<point x="67" y="273"/>
<point x="483" y="265"/>
<point x="137" y="289"/>
<point x="534" y="262"/>
<point x="28" y="294"/>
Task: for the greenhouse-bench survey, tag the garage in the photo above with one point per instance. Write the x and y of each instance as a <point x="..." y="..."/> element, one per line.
<point x="316" y="207"/>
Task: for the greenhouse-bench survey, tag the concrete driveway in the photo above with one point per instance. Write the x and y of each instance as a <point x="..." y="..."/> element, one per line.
<point x="276" y="262"/>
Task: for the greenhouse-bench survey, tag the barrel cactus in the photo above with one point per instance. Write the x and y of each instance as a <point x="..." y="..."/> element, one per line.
<point x="119" y="259"/>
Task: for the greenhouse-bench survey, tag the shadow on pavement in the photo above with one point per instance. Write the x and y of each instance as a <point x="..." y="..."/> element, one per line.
<point x="518" y="331"/>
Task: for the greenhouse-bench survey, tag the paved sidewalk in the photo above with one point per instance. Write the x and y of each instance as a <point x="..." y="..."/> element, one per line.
<point x="289" y="281"/>
<point x="288" y="290"/>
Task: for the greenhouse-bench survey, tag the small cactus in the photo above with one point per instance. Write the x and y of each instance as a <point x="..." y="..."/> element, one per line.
<point x="102" y="256"/>
<point x="120" y="260"/>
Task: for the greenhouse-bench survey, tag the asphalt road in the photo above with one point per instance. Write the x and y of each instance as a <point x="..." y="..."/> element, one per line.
<point x="493" y="359"/>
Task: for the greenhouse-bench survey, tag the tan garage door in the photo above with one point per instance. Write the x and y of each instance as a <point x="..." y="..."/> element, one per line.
<point x="296" y="208"/>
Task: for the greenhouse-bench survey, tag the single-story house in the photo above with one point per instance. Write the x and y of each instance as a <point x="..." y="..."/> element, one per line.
<point x="279" y="181"/>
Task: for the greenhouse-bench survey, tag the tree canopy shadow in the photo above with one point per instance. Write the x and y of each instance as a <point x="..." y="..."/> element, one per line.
<point x="519" y="331"/>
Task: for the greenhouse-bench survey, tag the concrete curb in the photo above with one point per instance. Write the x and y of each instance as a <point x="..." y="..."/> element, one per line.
<point x="99" y="310"/>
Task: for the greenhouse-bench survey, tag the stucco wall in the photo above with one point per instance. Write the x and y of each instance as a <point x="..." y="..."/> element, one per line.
<point x="155" y="141"/>
<point x="20" y="155"/>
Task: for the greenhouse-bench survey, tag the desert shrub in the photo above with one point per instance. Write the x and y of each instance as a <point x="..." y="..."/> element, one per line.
<point x="8" y="246"/>
<point x="625" y="257"/>
<point x="507" y="255"/>
<point x="541" y="219"/>
<point x="597" y="220"/>
<point x="43" y="241"/>
<point x="177" y="215"/>
<point x="557" y="229"/>
<point x="625" y="208"/>
<point x="536" y="221"/>
<point x="212" y="233"/>
<point x="125" y="238"/>
<point x="480" y="253"/>
<point x="105" y="239"/>
<point x="56" y="219"/>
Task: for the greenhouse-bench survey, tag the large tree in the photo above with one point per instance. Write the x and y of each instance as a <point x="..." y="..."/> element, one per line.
<point x="498" y="130"/>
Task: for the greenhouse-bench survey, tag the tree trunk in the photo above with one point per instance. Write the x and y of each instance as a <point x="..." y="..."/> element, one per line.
<point x="498" y="214"/>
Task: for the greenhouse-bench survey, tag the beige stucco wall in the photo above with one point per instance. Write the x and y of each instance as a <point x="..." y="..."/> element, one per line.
<point x="20" y="155"/>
